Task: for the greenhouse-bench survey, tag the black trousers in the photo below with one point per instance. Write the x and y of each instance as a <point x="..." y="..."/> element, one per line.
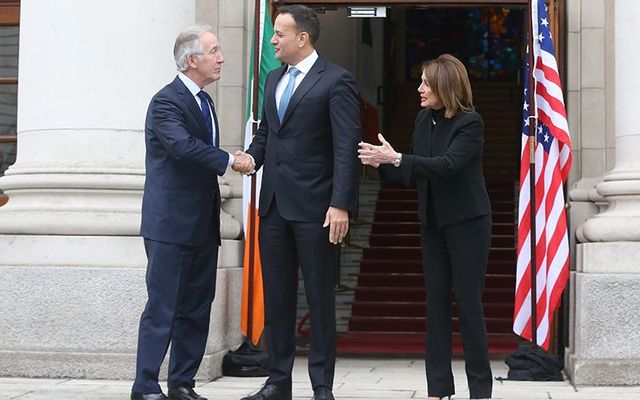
<point x="181" y="282"/>
<point x="285" y="245"/>
<point x="456" y="256"/>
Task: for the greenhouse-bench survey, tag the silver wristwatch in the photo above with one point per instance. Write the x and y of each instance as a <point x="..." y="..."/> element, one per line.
<point x="398" y="160"/>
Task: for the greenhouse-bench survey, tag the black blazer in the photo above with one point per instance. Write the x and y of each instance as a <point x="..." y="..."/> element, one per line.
<point x="181" y="201"/>
<point x="447" y="158"/>
<point x="310" y="161"/>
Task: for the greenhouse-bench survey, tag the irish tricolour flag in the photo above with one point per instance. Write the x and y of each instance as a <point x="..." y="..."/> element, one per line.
<point x="252" y="318"/>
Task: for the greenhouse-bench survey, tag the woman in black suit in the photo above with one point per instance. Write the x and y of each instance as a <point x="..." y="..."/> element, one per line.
<point x="455" y="216"/>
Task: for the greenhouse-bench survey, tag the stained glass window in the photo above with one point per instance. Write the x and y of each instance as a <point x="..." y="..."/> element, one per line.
<point x="488" y="40"/>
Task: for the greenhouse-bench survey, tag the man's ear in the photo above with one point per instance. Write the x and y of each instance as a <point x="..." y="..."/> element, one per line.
<point x="303" y="39"/>
<point x="191" y="60"/>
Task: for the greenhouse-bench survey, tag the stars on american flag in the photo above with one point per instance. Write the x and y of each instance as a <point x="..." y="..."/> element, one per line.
<point x="544" y="33"/>
<point x="544" y="136"/>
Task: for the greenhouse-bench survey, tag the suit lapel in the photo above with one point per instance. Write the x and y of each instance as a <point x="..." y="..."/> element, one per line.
<point x="187" y="98"/>
<point x="309" y="81"/>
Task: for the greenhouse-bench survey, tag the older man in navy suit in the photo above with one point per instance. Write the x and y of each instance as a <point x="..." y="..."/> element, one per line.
<point x="181" y="218"/>
<point x="307" y="146"/>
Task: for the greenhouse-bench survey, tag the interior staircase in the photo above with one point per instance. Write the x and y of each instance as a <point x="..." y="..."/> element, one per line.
<point x="388" y="310"/>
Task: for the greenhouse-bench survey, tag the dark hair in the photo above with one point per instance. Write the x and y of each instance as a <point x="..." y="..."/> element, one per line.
<point x="305" y="18"/>
<point x="448" y="79"/>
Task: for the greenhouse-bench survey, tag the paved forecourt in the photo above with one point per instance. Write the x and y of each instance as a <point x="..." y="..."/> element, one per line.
<point x="356" y="378"/>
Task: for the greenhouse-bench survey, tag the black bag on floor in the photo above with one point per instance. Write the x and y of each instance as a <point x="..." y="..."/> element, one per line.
<point x="533" y="365"/>
<point x="246" y="361"/>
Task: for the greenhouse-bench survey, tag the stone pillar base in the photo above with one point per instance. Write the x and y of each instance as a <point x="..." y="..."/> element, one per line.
<point x="92" y="365"/>
<point x="70" y="306"/>
<point x="605" y="342"/>
<point x="602" y="372"/>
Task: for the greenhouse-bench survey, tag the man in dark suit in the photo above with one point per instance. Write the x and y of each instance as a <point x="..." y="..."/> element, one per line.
<point x="307" y="145"/>
<point x="181" y="218"/>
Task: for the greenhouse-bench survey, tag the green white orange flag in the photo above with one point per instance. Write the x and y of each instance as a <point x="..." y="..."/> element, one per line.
<point x="252" y="313"/>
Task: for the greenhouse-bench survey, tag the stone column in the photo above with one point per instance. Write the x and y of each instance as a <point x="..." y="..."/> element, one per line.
<point x="72" y="266"/>
<point x="605" y="338"/>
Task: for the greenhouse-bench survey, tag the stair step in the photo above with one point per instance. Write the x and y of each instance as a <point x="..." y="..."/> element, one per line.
<point x="395" y="239"/>
<point x="417" y="324"/>
<point x="410" y="280"/>
<point x="398" y="194"/>
<point x="412" y="216"/>
<point x="395" y="227"/>
<point x="397" y="205"/>
<point x="497" y="228"/>
<point x="406" y="239"/>
<point x="414" y="253"/>
<point x="503" y="240"/>
<point x="396" y="216"/>
<point x="415" y="266"/>
<point x="412" y="344"/>
<point x="492" y="295"/>
<point x="417" y="309"/>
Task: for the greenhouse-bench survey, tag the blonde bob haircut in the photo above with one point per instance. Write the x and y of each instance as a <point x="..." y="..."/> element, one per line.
<point x="448" y="80"/>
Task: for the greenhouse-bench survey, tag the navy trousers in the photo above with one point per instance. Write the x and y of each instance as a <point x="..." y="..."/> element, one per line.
<point x="181" y="284"/>
<point x="285" y="246"/>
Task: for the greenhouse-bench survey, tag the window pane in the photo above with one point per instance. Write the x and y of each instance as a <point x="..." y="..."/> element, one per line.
<point x="9" y="51"/>
<point x="8" y="109"/>
<point x="8" y="69"/>
<point x="7" y="156"/>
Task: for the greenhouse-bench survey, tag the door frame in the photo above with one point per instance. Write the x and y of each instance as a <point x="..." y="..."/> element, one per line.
<point x="404" y="2"/>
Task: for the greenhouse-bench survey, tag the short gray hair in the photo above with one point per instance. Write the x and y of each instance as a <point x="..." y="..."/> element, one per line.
<point x="187" y="43"/>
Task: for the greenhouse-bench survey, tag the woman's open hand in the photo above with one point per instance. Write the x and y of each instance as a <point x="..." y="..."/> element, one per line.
<point x="373" y="155"/>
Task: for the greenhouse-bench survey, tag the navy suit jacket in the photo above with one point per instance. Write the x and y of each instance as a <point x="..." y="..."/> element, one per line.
<point x="181" y="202"/>
<point x="310" y="161"/>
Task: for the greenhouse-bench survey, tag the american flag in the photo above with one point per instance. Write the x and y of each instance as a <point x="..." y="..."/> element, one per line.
<point x="552" y="164"/>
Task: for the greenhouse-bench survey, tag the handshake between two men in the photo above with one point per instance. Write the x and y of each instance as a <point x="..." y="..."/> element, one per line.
<point x="243" y="163"/>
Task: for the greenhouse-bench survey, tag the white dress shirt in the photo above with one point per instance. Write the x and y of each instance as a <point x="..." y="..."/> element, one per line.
<point x="195" y="89"/>
<point x="303" y="66"/>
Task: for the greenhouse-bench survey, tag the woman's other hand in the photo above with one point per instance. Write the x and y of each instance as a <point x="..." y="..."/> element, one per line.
<point x="373" y="155"/>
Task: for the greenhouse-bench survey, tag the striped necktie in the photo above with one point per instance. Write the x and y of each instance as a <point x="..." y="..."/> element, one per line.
<point x="206" y="114"/>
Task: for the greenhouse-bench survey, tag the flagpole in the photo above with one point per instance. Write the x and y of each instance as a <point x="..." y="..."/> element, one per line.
<point x="251" y="218"/>
<point x="532" y="181"/>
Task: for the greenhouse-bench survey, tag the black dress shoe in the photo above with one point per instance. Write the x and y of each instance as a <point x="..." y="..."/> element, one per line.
<point x="270" y="392"/>
<point x="184" y="393"/>
<point x="323" y="393"/>
<point x="148" y="396"/>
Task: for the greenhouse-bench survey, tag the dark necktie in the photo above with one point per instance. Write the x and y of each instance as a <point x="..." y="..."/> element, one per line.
<point x="206" y="113"/>
<point x="288" y="91"/>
